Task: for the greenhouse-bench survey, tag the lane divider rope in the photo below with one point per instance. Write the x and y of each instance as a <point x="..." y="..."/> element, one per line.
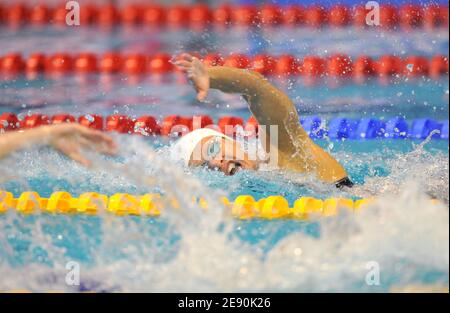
<point x="198" y="16"/>
<point x="243" y="206"/>
<point x="175" y="125"/>
<point x="135" y="64"/>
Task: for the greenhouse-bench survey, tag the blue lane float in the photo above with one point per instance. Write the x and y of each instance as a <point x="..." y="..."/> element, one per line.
<point x="422" y="128"/>
<point x="313" y="126"/>
<point x="444" y="130"/>
<point x="370" y="128"/>
<point x="396" y="128"/>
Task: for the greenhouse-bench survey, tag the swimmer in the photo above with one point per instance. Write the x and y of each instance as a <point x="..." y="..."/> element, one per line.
<point x="295" y="149"/>
<point x="68" y="138"/>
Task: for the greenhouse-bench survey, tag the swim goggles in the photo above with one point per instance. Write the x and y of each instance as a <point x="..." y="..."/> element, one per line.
<point x="213" y="148"/>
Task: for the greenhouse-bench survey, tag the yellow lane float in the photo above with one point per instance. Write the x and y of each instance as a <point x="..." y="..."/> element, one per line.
<point x="121" y="204"/>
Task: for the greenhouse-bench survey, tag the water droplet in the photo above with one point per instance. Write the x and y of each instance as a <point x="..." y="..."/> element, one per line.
<point x="89" y="117"/>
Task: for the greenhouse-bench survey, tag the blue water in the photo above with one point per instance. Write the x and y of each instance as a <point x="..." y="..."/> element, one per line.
<point x="411" y="99"/>
<point x="190" y="250"/>
<point x="278" y="40"/>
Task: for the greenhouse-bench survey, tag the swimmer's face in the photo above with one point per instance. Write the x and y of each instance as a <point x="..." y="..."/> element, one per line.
<point x="223" y="155"/>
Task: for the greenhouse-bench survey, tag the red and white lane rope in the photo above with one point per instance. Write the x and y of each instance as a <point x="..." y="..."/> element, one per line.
<point x="407" y="16"/>
<point x="336" y="65"/>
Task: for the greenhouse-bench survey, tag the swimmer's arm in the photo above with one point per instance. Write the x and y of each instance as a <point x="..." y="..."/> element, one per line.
<point x="18" y="140"/>
<point x="271" y="106"/>
<point x="67" y="138"/>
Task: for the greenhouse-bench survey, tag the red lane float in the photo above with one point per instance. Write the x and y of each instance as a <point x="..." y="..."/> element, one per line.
<point x="108" y="15"/>
<point x="135" y="64"/>
<point x="93" y="121"/>
<point x="85" y="63"/>
<point x="336" y="65"/>
<point x="175" y="125"/>
<point x="200" y="121"/>
<point x="177" y="15"/>
<point x="271" y="15"/>
<point x="153" y="15"/>
<point x="245" y="15"/>
<point x="59" y="63"/>
<point x="439" y="66"/>
<point x="34" y="120"/>
<point x="340" y="65"/>
<point x="88" y="14"/>
<point x="316" y="16"/>
<point x="389" y="65"/>
<point x="293" y="15"/>
<point x="237" y="60"/>
<point x="132" y="14"/>
<point x="313" y="66"/>
<point x="339" y="16"/>
<point x="40" y="15"/>
<point x="287" y="65"/>
<point x="200" y="15"/>
<point x="168" y="122"/>
<point x="434" y="16"/>
<point x="146" y="125"/>
<point x="227" y="124"/>
<point x="389" y="16"/>
<point x="62" y="118"/>
<point x="416" y="66"/>
<point x="15" y="14"/>
<point x="12" y="63"/>
<point x="59" y="15"/>
<point x="411" y="16"/>
<point x="359" y="16"/>
<point x="111" y="62"/>
<point x="407" y="16"/>
<point x="160" y="64"/>
<point x="222" y="15"/>
<point x="119" y="123"/>
<point x="213" y="59"/>
<point x="263" y="64"/>
<point x="8" y="121"/>
<point x="364" y="66"/>
<point x="35" y="63"/>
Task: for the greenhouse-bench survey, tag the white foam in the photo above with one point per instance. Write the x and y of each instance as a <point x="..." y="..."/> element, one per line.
<point x="406" y="234"/>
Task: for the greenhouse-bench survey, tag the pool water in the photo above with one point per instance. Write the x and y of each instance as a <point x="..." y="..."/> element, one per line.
<point x="187" y="249"/>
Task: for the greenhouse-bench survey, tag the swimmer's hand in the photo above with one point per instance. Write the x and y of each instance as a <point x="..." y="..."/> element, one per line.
<point x="196" y="71"/>
<point x="71" y="138"/>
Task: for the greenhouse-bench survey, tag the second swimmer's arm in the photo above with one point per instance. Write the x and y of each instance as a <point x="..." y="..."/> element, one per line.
<point x="67" y="138"/>
<point x="15" y="140"/>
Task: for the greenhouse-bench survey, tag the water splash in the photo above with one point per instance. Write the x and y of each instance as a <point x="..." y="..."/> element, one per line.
<point x="192" y="250"/>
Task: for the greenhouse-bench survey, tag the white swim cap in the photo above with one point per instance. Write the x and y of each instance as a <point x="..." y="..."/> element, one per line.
<point x="182" y="149"/>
